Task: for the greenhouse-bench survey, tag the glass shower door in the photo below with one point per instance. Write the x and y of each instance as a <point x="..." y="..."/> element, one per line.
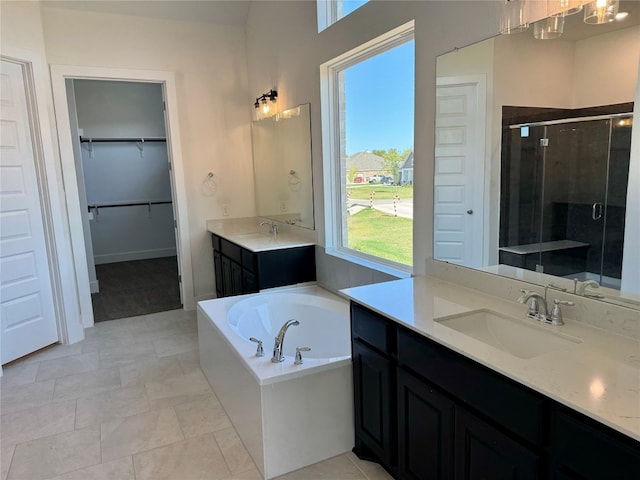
<point x="574" y="198"/>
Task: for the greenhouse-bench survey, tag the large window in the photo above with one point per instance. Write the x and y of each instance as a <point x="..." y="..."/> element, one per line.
<point x="368" y="117"/>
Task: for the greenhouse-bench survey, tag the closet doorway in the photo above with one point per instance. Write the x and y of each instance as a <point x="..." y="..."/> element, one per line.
<point x="122" y="170"/>
<point x="124" y="185"/>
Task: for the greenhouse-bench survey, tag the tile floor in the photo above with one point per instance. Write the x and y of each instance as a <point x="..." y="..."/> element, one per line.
<point x="129" y="402"/>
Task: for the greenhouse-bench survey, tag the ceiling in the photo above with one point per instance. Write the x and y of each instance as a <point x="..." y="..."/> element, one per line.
<point x="234" y="12"/>
<point x="220" y="12"/>
<point x="575" y="28"/>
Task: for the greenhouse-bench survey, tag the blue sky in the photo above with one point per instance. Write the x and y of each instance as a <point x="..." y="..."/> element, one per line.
<point x="379" y="95"/>
<point x="349" y="6"/>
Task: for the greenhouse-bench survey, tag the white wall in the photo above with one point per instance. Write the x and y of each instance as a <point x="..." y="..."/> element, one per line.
<point x="606" y="66"/>
<point x="213" y="101"/>
<point x="284" y="50"/>
<point x="214" y="95"/>
<point x="631" y="256"/>
<point x="119" y="109"/>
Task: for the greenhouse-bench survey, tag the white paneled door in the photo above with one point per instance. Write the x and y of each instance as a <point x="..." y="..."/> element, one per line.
<point x="26" y="297"/>
<point x="459" y="172"/>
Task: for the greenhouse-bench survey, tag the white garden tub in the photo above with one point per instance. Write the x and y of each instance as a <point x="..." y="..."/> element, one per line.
<point x="287" y="415"/>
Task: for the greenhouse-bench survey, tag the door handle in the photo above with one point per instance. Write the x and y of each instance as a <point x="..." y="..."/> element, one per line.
<point x="470" y="211"/>
<point x="596" y="211"/>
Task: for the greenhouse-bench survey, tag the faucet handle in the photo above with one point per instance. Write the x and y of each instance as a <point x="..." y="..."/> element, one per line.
<point x="534" y="308"/>
<point x="260" y="350"/>
<point x="556" y="314"/>
<point x="298" y="360"/>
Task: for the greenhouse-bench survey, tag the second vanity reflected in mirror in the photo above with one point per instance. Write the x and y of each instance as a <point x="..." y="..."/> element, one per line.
<point x="533" y="166"/>
<point x="282" y="167"/>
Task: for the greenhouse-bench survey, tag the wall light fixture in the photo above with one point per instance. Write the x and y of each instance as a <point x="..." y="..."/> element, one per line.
<point x="265" y="105"/>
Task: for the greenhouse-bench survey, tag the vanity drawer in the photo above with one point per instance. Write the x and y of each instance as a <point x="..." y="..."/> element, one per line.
<point x="371" y="328"/>
<point x="511" y="405"/>
<point x="231" y="250"/>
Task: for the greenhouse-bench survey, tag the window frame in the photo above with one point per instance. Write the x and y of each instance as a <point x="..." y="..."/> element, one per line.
<point x="328" y="13"/>
<point x="334" y="169"/>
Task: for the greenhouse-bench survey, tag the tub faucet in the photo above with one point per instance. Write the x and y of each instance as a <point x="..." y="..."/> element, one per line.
<point x="277" y="347"/>
<point x="535" y="301"/>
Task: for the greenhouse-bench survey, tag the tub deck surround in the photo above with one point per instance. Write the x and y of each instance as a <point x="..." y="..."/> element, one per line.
<point x="261" y="368"/>
<point x="247" y="233"/>
<point x="599" y="377"/>
<point x="288" y="416"/>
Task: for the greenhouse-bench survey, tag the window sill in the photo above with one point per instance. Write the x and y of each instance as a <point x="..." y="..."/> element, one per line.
<point x="371" y="264"/>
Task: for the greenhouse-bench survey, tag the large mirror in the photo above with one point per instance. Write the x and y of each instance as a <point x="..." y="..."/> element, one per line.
<point x="282" y="167"/>
<point x="534" y="177"/>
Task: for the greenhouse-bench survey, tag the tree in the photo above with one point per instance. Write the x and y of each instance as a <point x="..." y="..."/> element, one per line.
<point x="351" y="174"/>
<point x="392" y="160"/>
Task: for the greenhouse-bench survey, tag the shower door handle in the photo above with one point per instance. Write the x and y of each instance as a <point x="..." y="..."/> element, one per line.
<point x="596" y="211"/>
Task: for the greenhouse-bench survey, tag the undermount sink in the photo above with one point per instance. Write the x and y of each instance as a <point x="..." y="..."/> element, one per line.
<point x="521" y="338"/>
<point x="250" y="235"/>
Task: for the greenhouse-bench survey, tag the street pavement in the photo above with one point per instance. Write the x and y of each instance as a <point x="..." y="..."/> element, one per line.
<point x="403" y="208"/>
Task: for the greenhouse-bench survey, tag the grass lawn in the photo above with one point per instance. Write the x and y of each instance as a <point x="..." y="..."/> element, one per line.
<point x="383" y="235"/>
<point x="383" y="192"/>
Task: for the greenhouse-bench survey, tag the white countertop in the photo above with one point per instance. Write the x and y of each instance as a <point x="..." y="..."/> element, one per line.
<point x="247" y="233"/>
<point x="599" y="377"/>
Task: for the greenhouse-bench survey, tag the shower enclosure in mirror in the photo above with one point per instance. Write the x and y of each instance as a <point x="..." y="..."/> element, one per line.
<point x="563" y="192"/>
<point x="535" y="171"/>
<point x="282" y="167"/>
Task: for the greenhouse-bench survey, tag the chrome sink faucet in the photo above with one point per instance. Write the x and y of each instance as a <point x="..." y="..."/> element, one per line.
<point x="535" y="301"/>
<point x="273" y="229"/>
<point x="279" y="340"/>
<point x="580" y="288"/>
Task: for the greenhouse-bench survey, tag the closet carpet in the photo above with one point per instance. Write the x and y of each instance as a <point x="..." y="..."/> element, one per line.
<point x="139" y="287"/>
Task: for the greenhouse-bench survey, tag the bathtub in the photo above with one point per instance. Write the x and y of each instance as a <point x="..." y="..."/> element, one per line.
<point x="288" y="416"/>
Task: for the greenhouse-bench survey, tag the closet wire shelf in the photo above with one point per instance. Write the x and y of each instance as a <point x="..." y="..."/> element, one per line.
<point x="115" y="140"/>
<point x="131" y="204"/>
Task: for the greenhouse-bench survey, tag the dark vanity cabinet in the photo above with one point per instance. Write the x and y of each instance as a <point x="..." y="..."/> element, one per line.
<point x="583" y="448"/>
<point x="373" y="382"/>
<point x="426" y="412"/>
<point x="239" y="271"/>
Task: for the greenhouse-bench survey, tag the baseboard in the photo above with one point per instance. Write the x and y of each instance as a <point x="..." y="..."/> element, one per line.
<point x="94" y="286"/>
<point x="137" y="255"/>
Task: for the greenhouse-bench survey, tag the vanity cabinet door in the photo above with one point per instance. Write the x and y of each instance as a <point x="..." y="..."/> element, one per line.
<point x="425" y="430"/>
<point x="483" y="452"/>
<point x="236" y="279"/>
<point x="373" y="405"/>
<point x="217" y="267"/>
<point x="582" y="448"/>
<point x="226" y="276"/>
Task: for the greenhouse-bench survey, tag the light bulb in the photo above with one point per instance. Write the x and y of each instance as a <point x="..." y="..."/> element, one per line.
<point x="264" y="107"/>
